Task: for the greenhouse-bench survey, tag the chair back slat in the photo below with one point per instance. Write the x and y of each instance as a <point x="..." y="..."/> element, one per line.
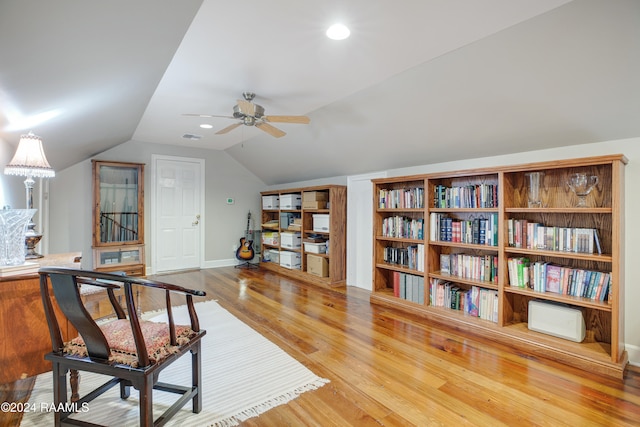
<point x="134" y="321"/>
<point x="67" y="295"/>
<point x="54" y="327"/>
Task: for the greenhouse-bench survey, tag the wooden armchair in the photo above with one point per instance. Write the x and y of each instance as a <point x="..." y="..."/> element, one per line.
<point x="130" y="350"/>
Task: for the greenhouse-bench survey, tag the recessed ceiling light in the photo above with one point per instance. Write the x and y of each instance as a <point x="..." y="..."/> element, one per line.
<point x="338" y="32"/>
<point x="206" y="126"/>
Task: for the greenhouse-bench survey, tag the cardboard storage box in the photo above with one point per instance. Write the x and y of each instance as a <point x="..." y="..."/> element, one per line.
<point x="315" y="204"/>
<point x="290" y="260"/>
<point x="318" y="266"/>
<point x="290" y="240"/>
<point x="271" y="238"/>
<point x="270" y="202"/>
<point x="321" y="222"/>
<point x="290" y="201"/>
<point x="296" y="225"/>
<point x="316" y="248"/>
<point x="314" y="196"/>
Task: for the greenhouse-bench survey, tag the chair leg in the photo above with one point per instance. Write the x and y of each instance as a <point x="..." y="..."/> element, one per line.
<point x="59" y="391"/>
<point x="146" y="402"/>
<point x="125" y="390"/>
<point x="196" y="378"/>
<point x="74" y="380"/>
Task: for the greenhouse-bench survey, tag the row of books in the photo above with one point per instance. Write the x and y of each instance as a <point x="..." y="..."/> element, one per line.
<point x="468" y="196"/>
<point x="477" y="231"/>
<point x="409" y="198"/>
<point x="408" y="287"/>
<point x="411" y="256"/>
<point x="533" y="235"/>
<point x="547" y="277"/>
<point x="476" y="301"/>
<point x="473" y="267"/>
<point x="403" y="227"/>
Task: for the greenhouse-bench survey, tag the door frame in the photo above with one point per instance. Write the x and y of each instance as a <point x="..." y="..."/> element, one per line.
<point x="154" y="229"/>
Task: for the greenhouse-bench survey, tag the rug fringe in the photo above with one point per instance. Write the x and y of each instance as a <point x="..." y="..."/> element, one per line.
<point x="263" y="407"/>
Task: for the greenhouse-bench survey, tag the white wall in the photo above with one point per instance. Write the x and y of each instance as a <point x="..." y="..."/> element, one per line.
<point x="71" y="201"/>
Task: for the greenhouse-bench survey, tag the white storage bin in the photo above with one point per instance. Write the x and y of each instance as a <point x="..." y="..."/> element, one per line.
<point x="290" y="201"/>
<point x="316" y="248"/>
<point x="321" y="222"/>
<point x="271" y="238"/>
<point x="557" y="320"/>
<point x="272" y="255"/>
<point x="290" y="240"/>
<point x="270" y="202"/>
<point x="290" y="260"/>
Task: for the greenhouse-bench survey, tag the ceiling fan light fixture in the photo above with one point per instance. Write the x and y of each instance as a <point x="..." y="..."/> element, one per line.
<point x="338" y="32"/>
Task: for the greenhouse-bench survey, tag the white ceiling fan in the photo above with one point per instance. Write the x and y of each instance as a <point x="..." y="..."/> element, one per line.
<point x="251" y="114"/>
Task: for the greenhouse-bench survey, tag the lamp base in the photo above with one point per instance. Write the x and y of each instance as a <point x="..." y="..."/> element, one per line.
<point x="31" y="240"/>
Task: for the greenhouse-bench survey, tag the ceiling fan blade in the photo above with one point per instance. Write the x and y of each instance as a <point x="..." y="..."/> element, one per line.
<point x="271" y="130"/>
<point x="247" y="107"/>
<point x="207" y="115"/>
<point x="228" y="128"/>
<point x="288" y="119"/>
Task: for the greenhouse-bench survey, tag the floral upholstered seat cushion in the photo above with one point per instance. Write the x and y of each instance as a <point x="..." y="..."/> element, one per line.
<point x="123" y="348"/>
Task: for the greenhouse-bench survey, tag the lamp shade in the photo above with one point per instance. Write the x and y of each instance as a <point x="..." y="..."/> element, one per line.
<point x="29" y="159"/>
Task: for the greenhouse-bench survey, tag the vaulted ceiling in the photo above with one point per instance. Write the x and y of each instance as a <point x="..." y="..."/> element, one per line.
<point x="418" y="82"/>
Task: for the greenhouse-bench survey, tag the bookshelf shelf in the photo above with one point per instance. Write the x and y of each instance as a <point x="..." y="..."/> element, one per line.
<point x="560" y="210"/>
<point x="558" y="254"/>
<point x="566" y="299"/>
<point x="398" y="239"/>
<point x="401" y="269"/>
<point x="464" y="245"/>
<point x="458" y="279"/>
<point x="328" y="202"/>
<point x="592" y="282"/>
<point x="473" y="210"/>
<point x="400" y="210"/>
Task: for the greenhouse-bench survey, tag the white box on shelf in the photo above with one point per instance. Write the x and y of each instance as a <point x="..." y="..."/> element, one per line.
<point x="270" y="202"/>
<point x="290" y="201"/>
<point x="290" y="260"/>
<point x="321" y="222"/>
<point x="271" y="238"/>
<point x="316" y="248"/>
<point x="272" y="255"/>
<point x="557" y="320"/>
<point x="290" y="240"/>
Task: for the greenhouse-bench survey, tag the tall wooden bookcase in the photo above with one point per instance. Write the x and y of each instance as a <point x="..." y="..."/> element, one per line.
<point x="118" y="217"/>
<point x="335" y="197"/>
<point x="480" y="263"/>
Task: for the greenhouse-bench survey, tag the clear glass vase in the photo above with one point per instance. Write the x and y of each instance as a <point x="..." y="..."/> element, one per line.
<point x="13" y="226"/>
<point x="535" y="184"/>
<point x="582" y="184"/>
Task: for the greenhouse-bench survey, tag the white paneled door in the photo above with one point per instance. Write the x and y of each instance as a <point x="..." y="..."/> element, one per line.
<point x="178" y="213"/>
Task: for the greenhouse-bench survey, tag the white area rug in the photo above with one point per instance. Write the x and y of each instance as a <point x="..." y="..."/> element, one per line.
<point x="243" y="375"/>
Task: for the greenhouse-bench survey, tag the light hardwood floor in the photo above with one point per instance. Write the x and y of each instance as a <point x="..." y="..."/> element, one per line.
<point x="389" y="368"/>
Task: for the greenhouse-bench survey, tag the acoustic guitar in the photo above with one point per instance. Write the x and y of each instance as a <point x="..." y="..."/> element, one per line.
<point x="245" y="251"/>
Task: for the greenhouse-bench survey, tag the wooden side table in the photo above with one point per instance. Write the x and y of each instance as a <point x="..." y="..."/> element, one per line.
<point x="24" y="334"/>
